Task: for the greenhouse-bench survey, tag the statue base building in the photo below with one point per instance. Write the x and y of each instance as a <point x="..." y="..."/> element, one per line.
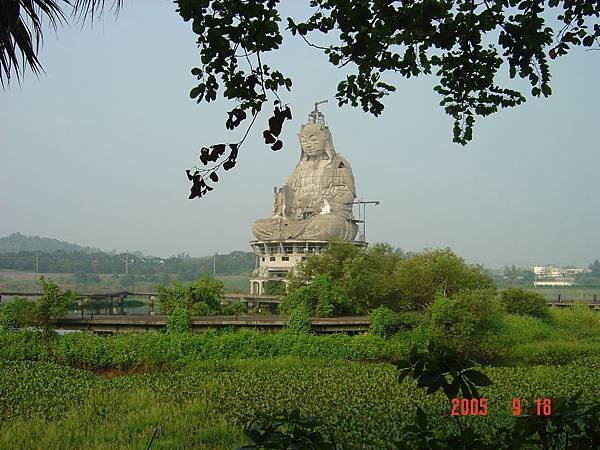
<point x="313" y="208"/>
<point x="275" y="259"/>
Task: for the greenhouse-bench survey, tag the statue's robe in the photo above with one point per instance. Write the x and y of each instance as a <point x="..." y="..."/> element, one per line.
<point x="315" y="203"/>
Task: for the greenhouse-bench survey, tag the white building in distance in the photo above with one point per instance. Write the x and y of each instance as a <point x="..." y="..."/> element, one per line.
<point x="555" y="276"/>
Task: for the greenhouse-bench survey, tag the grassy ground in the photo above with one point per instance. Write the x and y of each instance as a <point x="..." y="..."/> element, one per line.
<point x="201" y="390"/>
<point x="207" y="404"/>
<point x="236" y="283"/>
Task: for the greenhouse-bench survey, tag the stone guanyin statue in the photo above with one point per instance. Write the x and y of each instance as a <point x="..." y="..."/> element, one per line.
<point x="315" y="203"/>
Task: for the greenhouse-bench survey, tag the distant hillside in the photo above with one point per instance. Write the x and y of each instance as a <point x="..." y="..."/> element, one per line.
<point x="20" y="252"/>
<point x="184" y="267"/>
<point x="18" y="242"/>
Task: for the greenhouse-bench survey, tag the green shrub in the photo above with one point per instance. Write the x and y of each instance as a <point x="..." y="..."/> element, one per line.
<point x="200" y="309"/>
<point x="274" y="287"/>
<point x="298" y="320"/>
<point x="383" y="276"/>
<point x="429" y="272"/>
<point x="234" y="309"/>
<point x="52" y="304"/>
<point x="17" y="313"/>
<point x="180" y="321"/>
<point x="463" y="321"/>
<point x="365" y="276"/>
<point x="206" y="290"/>
<point x="526" y="303"/>
<point x="578" y="321"/>
<point x="516" y="329"/>
<point x="384" y="322"/>
<point x="569" y="334"/>
<point x="320" y="298"/>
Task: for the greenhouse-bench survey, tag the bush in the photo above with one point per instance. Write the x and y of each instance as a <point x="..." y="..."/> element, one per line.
<point x="200" y="309"/>
<point x="299" y="320"/>
<point x="180" y="321"/>
<point x="365" y="276"/>
<point x="421" y="277"/>
<point x="320" y="298"/>
<point x="526" y="303"/>
<point x="569" y="334"/>
<point x="274" y="287"/>
<point x="464" y="321"/>
<point x="17" y="313"/>
<point x="234" y="309"/>
<point x="384" y="276"/>
<point x="384" y="322"/>
<point x="53" y="304"/>
<point x="206" y="290"/>
<point x="578" y="320"/>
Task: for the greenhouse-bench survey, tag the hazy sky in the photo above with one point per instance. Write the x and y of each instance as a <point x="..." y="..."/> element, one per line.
<point x="95" y="153"/>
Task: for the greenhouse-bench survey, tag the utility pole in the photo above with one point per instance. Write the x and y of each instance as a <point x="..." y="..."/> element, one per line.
<point x="126" y="263"/>
<point x="37" y="262"/>
<point x="215" y="265"/>
<point x="364" y="214"/>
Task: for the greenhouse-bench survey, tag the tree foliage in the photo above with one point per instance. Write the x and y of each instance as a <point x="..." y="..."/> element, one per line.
<point x="52" y="304"/>
<point x="180" y="321"/>
<point x="274" y="287"/>
<point x="17" y="313"/>
<point x="201" y="297"/>
<point x="595" y="268"/>
<point x="365" y="276"/>
<point x="520" y="301"/>
<point x="429" y="272"/>
<point x="287" y="430"/>
<point x="21" y="30"/>
<point x="298" y="321"/>
<point x="463" y="43"/>
<point x="320" y="297"/>
<point x="461" y="322"/>
<point x="384" y="322"/>
<point x="381" y="276"/>
<point x="144" y="268"/>
<point x="234" y="309"/>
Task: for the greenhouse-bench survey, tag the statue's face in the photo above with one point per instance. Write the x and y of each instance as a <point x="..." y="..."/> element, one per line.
<point x="313" y="143"/>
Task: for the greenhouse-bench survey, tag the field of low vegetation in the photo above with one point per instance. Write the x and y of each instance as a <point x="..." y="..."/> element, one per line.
<point x="440" y="331"/>
<point x="207" y="404"/>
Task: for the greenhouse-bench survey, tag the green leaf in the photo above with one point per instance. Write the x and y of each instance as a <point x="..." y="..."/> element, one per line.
<point x="421" y="418"/>
<point x="546" y="90"/>
<point x="477" y="378"/>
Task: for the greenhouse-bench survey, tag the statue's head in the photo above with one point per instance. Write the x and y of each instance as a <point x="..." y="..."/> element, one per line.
<point x="316" y="141"/>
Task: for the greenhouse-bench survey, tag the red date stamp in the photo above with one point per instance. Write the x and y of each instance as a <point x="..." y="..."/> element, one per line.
<point x="469" y="406"/>
<point x="479" y="407"/>
<point x="543" y="407"/>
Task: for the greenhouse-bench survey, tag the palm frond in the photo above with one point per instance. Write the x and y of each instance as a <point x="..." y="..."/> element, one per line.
<point x="21" y="33"/>
<point x="91" y="9"/>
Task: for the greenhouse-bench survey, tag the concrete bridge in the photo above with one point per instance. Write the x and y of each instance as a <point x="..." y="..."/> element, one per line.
<point x="117" y="299"/>
<point x="141" y="323"/>
<point x="595" y="306"/>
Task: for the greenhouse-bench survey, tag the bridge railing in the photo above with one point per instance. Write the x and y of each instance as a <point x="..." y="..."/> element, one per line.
<point x="115" y="303"/>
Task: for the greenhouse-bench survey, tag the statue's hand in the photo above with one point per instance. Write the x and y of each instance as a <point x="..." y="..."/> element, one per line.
<point x="326" y="209"/>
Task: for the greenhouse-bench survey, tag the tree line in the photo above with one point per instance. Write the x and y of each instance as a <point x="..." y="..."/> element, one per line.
<point x="185" y="266"/>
